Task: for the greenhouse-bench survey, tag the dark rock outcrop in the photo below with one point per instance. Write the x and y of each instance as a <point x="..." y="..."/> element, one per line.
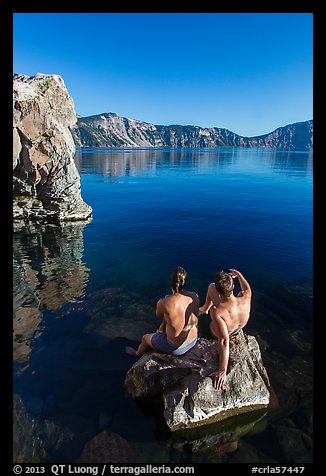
<point x="46" y="182"/>
<point x="185" y="388"/>
<point x="111" y="130"/>
<point x="36" y="440"/>
<point x="26" y="448"/>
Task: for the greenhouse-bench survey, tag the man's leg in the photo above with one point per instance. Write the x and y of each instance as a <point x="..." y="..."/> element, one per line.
<point x="144" y="346"/>
<point x="208" y="303"/>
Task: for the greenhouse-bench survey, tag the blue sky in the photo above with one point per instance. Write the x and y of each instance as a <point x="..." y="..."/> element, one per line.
<point x="247" y="72"/>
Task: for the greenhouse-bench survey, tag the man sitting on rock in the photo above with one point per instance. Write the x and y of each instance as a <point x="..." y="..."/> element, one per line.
<point x="229" y="314"/>
<point x="178" y="332"/>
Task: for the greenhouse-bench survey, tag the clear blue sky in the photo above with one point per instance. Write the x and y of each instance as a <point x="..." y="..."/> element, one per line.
<point x="247" y="72"/>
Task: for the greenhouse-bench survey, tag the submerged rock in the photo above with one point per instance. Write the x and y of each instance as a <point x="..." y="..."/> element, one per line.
<point x="215" y="443"/>
<point x="109" y="447"/>
<point x="296" y="445"/>
<point x="26" y="446"/>
<point x="36" y="440"/>
<point x="46" y="182"/>
<point x="183" y="385"/>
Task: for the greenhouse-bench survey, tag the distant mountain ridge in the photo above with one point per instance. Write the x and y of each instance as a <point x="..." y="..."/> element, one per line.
<point x="112" y="130"/>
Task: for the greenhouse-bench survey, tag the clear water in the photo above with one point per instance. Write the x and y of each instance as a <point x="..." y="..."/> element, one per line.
<point x="84" y="291"/>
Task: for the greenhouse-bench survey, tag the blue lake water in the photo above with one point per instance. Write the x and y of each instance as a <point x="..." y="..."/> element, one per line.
<point x="93" y="287"/>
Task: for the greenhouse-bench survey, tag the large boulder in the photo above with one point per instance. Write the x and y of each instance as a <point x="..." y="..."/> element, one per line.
<point x="46" y="182"/>
<point x="183" y="385"/>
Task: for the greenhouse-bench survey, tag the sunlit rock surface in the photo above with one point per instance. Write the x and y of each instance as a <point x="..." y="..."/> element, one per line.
<point x="112" y="130"/>
<point x="184" y="385"/>
<point x="46" y="182"/>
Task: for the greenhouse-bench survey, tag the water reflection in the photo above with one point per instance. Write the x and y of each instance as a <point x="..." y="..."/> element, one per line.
<point x="134" y="162"/>
<point x="48" y="272"/>
<point x="72" y="385"/>
<point x="291" y="163"/>
<point x="137" y="162"/>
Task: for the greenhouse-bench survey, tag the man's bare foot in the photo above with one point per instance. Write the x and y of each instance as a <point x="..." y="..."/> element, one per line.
<point x="130" y="350"/>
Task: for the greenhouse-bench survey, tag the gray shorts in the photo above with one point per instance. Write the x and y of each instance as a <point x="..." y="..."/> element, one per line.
<point x="160" y="342"/>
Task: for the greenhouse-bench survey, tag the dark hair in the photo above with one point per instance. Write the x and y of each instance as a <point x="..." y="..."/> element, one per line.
<point x="178" y="279"/>
<point x="223" y="283"/>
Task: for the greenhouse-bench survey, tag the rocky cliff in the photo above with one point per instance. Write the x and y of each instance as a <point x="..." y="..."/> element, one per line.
<point x="46" y="183"/>
<point x="111" y="130"/>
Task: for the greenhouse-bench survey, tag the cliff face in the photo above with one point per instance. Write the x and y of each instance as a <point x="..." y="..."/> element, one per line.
<point x="111" y="130"/>
<point x="298" y="136"/>
<point x="46" y="183"/>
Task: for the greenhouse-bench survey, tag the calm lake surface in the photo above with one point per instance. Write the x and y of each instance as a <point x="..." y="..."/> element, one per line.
<point x="84" y="291"/>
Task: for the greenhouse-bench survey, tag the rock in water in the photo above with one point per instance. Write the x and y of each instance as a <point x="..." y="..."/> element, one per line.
<point x="109" y="447"/>
<point x="183" y="384"/>
<point x="46" y="181"/>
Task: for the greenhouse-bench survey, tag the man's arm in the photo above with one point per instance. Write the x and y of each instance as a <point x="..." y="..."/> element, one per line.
<point x="160" y="308"/>
<point x="219" y="376"/>
<point x="162" y="326"/>
<point x="160" y="315"/>
<point x="245" y="286"/>
<point x="208" y="301"/>
<point x="196" y="302"/>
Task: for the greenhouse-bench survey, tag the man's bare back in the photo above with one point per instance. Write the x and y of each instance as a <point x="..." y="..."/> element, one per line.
<point x="179" y="313"/>
<point x="228" y="313"/>
<point x="235" y="312"/>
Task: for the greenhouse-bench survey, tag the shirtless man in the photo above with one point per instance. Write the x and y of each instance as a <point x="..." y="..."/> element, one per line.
<point x="178" y="331"/>
<point x="229" y="314"/>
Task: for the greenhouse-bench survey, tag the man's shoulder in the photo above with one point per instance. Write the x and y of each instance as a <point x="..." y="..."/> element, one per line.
<point x="220" y="316"/>
<point x="244" y="295"/>
<point x="221" y="311"/>
<point x="192" y="293"/>
<point x="170" y="298"/>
